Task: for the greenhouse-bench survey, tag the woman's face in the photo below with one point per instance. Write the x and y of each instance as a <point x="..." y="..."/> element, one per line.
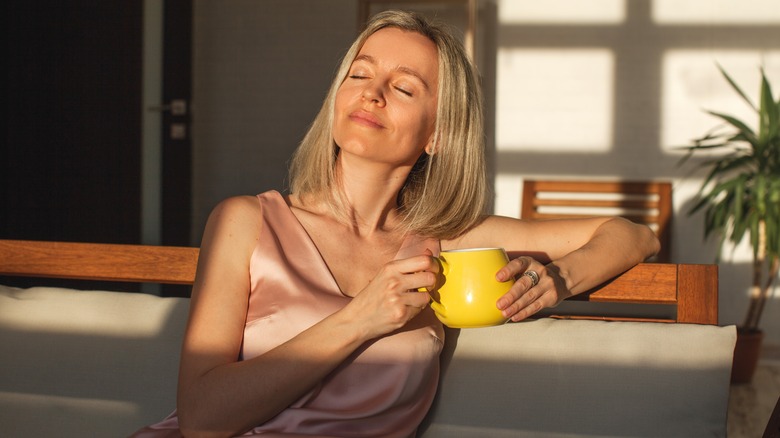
<point x="385" y="109"/>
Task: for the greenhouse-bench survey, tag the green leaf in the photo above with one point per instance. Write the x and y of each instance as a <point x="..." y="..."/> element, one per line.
<point x="736" y="87"/>
<point x="741" y="187"/>
<point x="769" y="112"/>
<point x="744" y="129"/>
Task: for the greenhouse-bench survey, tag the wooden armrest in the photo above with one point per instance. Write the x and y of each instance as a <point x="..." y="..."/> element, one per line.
<point x="99" y="261"/>
<point x="693" y="289"/>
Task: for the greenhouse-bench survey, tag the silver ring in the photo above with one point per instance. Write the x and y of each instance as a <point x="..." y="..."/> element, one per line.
<point x="533" y="276"/>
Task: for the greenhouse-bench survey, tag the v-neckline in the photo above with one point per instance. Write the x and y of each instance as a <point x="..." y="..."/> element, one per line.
<point x="313" y="246"/>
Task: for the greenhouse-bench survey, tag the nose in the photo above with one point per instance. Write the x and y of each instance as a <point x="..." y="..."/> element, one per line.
<point x="373" y="93"/>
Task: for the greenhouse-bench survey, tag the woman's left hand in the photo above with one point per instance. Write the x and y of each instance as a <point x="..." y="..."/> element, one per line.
<point x="537" y="286"/>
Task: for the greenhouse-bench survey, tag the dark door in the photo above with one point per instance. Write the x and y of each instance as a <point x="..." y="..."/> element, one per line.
<point x="70" y="157"/>
<point x="70" y="163"/>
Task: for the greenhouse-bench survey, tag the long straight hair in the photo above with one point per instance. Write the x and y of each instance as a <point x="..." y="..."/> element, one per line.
<point x="445" y="192"/>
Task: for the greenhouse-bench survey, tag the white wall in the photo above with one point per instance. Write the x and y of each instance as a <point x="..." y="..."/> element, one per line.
<point x="609" y="88"/>
<point x="583" y="88"/>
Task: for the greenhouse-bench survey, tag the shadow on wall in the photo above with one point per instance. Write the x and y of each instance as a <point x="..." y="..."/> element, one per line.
<point x="638" y="46"/>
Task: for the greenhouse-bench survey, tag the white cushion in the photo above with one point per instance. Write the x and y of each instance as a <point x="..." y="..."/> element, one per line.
<point x="562" y="378"/>
<point x="96" y="363"/>
<point x="86" y="363"/>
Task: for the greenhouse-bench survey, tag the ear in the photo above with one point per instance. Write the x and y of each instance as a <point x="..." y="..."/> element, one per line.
<point x="430" y="148"/>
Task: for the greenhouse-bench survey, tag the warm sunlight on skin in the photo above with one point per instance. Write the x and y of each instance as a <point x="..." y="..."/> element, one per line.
<point x="385" y="109"/>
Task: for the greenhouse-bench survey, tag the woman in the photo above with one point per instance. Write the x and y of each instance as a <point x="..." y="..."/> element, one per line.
<point x="305" y="318"/>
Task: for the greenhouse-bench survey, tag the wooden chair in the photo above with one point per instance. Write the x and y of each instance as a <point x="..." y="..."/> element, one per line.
<point x="691" y="289"/>
<point x="648" y="203"/>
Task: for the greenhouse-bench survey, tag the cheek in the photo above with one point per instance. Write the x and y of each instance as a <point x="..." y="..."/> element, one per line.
<point x="340" y="105"/>
<point x="345" y="94"/>
<point x="340" y="100"/>
<point x="428" y="124"/>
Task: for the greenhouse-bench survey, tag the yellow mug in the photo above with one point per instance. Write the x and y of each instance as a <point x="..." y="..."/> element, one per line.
<point x="468" y="296"/>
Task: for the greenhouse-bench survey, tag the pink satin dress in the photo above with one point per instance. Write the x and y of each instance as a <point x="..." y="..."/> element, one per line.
<point x="383" y="390"/>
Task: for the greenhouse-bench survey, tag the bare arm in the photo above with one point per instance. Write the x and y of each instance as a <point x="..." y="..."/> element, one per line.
<point x="220" y="396"/>
<point x="571" y="256"/>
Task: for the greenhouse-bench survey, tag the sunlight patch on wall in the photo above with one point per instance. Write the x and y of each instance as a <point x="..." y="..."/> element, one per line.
<point x="508" y="193"/>
<point x="691" y="12"/>
<point x="692" y="84"/>
<point x="554" y="100"/>
<point x="562" y="11"/>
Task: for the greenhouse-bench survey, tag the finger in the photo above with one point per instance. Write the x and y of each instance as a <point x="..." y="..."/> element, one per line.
<point x="519" y="292"/>
<point x="435" y="264"/>
<point x="417" y="299"/>
<point x="530" y="278"/>
<point x="514" y="268"/>
<point x="530" y="302"/>
<point x="420" y="281"/>
<point x="531" y="308"/>
<point x="425" y="262"/>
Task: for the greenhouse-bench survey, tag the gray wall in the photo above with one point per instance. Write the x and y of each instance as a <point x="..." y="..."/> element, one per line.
<point x="260" y="72"/>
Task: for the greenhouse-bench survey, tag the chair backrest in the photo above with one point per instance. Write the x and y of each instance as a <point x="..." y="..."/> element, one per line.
<point x="648" y="203"/>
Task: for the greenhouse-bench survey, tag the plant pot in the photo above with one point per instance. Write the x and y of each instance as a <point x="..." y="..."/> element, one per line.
<point x="746" y="354"/>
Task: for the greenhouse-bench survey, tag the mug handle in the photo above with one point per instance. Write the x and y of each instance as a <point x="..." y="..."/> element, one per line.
<point x="445" y="269"/>
<point x="438" y="307"/>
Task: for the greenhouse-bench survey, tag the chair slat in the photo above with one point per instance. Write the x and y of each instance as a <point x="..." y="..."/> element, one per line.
<point x="653" y="208"/>
<point x="597" y="203"/>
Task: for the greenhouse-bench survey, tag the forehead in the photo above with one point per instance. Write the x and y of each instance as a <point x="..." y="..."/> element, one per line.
<point x="397" y="48"/>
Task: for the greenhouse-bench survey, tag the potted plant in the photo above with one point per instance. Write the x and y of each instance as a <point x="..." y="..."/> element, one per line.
<point x="740" y="197"/>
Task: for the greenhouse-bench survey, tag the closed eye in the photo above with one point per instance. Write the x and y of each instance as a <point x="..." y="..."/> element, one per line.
<point x="408" y="93"/>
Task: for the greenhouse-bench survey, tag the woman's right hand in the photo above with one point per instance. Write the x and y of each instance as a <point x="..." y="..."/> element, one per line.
<point x="392" y="299"/>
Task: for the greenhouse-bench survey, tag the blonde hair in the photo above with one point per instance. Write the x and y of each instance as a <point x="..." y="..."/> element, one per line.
<point x="444" y="194"/>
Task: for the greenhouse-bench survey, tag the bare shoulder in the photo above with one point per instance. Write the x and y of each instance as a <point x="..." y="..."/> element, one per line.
<point x="235" y="221"/>
<point x="238" y="206"/>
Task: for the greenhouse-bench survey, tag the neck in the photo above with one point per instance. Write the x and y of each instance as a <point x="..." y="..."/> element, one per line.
<point x="371" y="192"/>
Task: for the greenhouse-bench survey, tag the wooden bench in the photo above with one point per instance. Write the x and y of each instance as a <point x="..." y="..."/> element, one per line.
<point x="105" y="362"/>
<point x="691" y="289"/>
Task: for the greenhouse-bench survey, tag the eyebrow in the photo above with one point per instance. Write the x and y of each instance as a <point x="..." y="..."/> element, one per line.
<point x="400" y="68"/>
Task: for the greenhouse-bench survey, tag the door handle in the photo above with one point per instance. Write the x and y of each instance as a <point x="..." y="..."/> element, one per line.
<point x="177" y="107"/>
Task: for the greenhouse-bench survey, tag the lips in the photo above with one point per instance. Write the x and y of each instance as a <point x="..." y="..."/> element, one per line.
<point x="366" y="118"/>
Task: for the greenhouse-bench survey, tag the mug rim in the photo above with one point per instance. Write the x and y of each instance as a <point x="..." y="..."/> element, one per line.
<point x="472" y="249"/>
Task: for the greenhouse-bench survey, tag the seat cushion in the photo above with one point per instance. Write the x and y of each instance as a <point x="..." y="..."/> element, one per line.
<point x="563" y="378"/>
<point x="86" y="363"/>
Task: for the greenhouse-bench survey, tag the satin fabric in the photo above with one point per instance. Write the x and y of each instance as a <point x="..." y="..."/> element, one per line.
<point x="384" y="389"/>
